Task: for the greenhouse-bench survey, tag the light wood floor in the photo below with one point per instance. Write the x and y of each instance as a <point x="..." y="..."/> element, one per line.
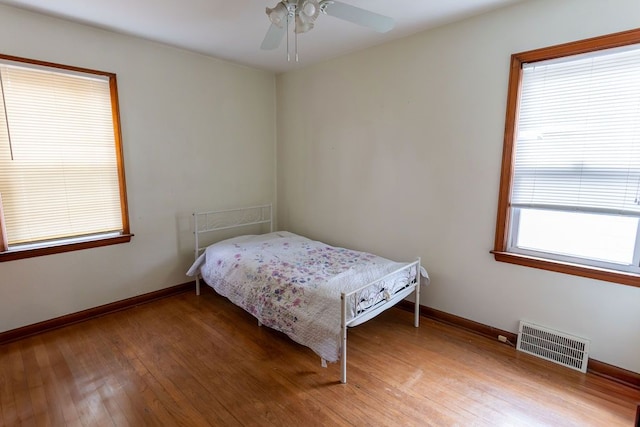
<point x="193" y="361"/>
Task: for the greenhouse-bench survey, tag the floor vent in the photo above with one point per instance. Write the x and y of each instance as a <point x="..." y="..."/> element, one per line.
<point x="558" y="347"/>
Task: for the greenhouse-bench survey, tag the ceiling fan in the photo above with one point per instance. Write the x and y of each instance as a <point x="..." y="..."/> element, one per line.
<point x="303" y="13"/>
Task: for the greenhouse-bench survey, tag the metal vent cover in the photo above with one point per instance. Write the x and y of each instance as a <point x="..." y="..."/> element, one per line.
<point x="558" y="347"/>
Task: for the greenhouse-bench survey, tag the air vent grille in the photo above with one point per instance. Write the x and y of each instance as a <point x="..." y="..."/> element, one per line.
<point x="558" y="347"/>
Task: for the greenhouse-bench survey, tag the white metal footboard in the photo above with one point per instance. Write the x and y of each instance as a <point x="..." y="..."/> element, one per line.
<point x="351" y="302"/>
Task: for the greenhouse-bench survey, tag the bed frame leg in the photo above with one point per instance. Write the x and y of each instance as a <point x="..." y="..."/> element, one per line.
<point x="343" y="338"/>
<point x="416" y="314"/>
<point x="196" y="235"/>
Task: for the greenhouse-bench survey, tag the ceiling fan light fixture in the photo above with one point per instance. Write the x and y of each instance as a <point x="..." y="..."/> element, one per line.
<point x="302" y="26"/>
<point x="309" y="10"/>
<point x="278" y="14"/>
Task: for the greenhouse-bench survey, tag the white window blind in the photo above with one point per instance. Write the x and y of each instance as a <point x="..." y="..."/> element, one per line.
<point x="578" y="137"/>
<point x="58" y="160"/>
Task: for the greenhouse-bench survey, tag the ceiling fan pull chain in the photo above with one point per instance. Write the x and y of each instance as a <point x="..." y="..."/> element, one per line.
<point x="287" y="27"/>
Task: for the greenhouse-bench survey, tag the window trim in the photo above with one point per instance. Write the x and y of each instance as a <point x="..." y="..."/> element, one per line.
<point x="97" y="241"/>
<point x="503" y="220"/>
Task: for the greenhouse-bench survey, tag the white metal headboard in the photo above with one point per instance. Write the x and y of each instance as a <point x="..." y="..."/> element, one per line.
<point x="208" y="222"/>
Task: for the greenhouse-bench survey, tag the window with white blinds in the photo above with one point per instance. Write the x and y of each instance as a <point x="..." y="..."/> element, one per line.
<point x="578" y="140"/>
<point x="570" y="186"/>
<point x="61" y="178"/>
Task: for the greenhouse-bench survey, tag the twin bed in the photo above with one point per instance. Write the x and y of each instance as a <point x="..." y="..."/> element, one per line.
<point x="306" y="289"/>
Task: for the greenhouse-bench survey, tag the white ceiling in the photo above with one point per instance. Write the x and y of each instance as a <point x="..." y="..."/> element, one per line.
<point x="234" y="29"/>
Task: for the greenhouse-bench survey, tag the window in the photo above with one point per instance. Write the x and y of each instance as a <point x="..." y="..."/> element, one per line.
<point x="61" y="169"/>
<point x="570" y="188"/>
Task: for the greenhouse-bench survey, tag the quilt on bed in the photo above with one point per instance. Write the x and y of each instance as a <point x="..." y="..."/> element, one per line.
<point x="293" y="284"/>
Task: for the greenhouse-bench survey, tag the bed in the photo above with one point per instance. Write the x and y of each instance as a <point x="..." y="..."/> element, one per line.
<point x="306" y="289"/>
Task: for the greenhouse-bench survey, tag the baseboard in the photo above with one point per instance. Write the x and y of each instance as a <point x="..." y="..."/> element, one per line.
<point x="81" y="316"/>
<point x="613" y="373"/>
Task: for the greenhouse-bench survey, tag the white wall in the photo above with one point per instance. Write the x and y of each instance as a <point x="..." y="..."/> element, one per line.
<point x="198" y="133"/>
<point x="397" y="150"/>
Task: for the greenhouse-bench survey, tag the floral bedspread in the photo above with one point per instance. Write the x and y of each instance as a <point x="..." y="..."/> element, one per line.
<point x="291" y="283"/>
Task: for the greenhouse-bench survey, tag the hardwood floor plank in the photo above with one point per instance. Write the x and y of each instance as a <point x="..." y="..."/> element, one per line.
<point x="217" y="375"/>
<point x="141" y="390"/>
<point x="487" y="382"/>
<point x="292" y="367"/>
<point x="55" y="370"/>
<point x="8" y="408"/>
<point x="103" y="376"/>
<point x="88" y="379"/>
<point x="454" y="394"/>
<point x="51" y="387"/>
<point x="19" y="386"/>
<point x="162" y="396"/>
<point x="42" y="414"/>
<point x="198" y="361"/>
<point x="122" y="389"/>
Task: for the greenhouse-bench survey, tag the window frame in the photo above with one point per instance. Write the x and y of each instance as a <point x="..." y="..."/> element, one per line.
<point x="60" y="246"/>
<point x="504" y="221"/>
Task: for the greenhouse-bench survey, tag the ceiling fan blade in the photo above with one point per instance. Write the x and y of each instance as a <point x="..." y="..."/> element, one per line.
<point x="356" y="15"/>
<point x="273" y="38"/>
